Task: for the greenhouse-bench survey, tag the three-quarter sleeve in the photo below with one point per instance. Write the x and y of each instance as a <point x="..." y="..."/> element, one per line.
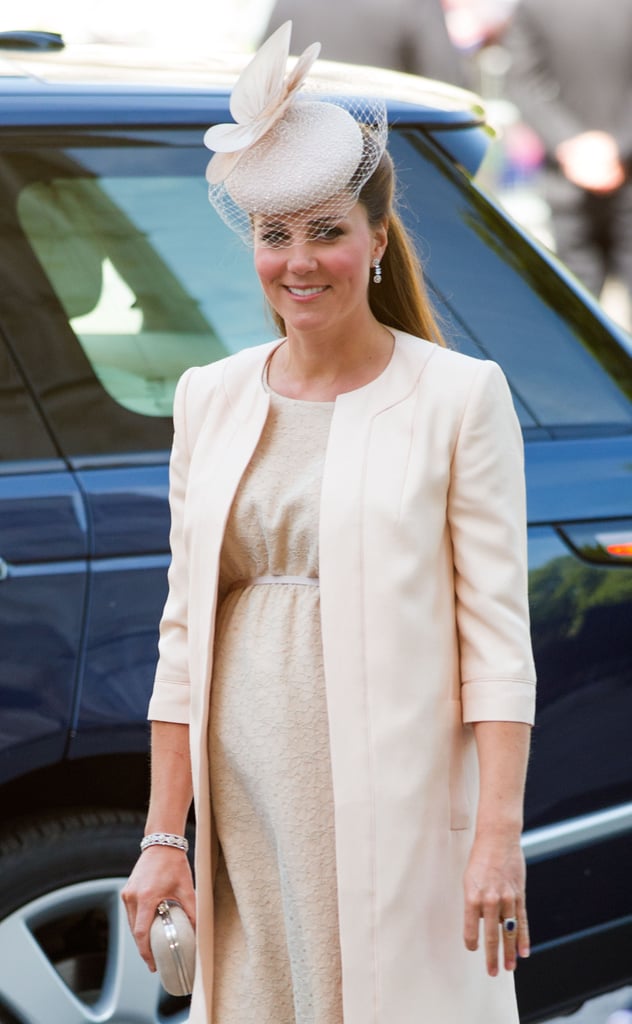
<point x="487" y="521"/>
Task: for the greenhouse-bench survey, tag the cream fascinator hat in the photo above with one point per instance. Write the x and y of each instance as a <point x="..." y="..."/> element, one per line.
<point x="291" y="163"/>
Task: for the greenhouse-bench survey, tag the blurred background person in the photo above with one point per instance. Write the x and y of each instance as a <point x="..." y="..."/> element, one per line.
<point x="407" y="35"/>
<point x="474" y="24"/>
<point x="570" y="74"/>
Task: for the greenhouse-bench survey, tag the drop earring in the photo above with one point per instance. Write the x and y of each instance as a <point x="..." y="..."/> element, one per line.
<point x="377" y="272"/>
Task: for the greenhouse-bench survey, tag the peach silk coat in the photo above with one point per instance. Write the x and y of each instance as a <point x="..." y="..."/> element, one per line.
<point x="425" y="629"/>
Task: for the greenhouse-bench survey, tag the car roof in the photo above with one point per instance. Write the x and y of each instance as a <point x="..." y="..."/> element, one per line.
<point x="94" y="83"/>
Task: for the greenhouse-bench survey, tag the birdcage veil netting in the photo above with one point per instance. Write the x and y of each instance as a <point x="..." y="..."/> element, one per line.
<point x="306" y="172"/>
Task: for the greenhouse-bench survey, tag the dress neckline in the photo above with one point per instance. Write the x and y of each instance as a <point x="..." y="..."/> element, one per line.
<point x="285" y="399"/>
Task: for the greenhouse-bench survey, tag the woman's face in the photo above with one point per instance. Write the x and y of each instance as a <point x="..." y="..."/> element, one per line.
<point x="318" y="278"/>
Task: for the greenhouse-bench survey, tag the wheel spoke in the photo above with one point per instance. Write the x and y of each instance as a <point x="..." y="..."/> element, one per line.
<point x="130" y="991"/>
<point x="29" y="983"/>
<point x="35" y="991"/>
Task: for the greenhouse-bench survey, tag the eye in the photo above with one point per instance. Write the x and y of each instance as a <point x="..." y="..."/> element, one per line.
<point x="273" y="235"/>
<point x="325" y="231"/>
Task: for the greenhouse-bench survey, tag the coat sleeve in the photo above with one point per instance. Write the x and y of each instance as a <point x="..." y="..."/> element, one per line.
<point x="170" y="697"/>
<point x="487" y="521"/>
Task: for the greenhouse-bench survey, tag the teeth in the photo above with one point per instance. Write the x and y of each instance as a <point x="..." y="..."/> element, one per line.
<point x="305" y="291"/>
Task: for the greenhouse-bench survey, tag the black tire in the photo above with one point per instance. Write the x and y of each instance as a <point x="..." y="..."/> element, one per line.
<point x="41" y="854"/>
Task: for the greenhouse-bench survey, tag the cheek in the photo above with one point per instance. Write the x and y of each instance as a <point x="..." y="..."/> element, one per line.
<point x="355" y="261"/>
<point x="351" y="266"/>
<point x="267" y="265"/>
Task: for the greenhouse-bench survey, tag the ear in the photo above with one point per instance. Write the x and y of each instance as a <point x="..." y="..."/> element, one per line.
<point x="380" y="239"/>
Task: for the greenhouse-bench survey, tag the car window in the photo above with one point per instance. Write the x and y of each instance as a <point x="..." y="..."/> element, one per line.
<point x="120" y="275"/>
<point x="150" y="280"/>
<point x="501" y="300"/>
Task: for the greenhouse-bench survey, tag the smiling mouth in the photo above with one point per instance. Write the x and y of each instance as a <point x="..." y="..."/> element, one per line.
<point x="305" y="292"/>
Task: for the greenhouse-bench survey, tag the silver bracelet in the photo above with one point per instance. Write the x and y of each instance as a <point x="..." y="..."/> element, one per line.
<point x="165" y="839"/>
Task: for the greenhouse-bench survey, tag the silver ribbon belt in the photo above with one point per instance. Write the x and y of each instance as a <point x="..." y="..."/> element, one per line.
<point x="258" y="581"/>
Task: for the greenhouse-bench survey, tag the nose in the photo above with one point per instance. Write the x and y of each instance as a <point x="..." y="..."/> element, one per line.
<point x="301" y="258"/>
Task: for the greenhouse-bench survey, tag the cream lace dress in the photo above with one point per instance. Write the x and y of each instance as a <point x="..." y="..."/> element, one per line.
<point x="277" y="958"/>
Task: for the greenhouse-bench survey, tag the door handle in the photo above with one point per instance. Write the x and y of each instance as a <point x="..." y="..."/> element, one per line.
<point x="4" y="569"/>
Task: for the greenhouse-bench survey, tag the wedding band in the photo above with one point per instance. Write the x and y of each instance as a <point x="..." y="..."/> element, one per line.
<point x="509" y="925"/>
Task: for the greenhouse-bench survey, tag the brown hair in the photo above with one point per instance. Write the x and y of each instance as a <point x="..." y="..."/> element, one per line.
<point x="401" y="300"/>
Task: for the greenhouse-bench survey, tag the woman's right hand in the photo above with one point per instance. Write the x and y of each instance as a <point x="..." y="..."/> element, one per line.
<point x="161" y="873"/>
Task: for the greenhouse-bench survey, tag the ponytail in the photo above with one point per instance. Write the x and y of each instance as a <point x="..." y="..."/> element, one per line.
<point x="401" y="300"/>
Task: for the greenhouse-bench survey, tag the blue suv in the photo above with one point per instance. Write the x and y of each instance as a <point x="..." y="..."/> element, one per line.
<point x="115" y="275"/>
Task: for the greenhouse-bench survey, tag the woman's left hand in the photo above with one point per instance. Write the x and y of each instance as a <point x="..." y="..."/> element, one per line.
<point x="495" y="891"/>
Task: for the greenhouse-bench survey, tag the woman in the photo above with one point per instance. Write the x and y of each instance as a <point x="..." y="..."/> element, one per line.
<point x="345" y="680"/>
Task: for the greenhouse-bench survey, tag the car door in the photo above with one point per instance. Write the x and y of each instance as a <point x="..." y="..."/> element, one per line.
<point x="43" y="553"/>
<point x="120" y="272"/>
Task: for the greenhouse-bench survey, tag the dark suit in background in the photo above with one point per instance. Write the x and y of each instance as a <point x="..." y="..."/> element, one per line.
<point x="407" y="35"/>
<point x="571" y="77"/>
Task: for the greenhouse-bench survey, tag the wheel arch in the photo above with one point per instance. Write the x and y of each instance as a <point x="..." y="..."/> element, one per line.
<point x="108" y="781"/>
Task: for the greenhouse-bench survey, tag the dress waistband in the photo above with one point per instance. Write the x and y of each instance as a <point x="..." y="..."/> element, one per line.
<point x="258" y="581"/>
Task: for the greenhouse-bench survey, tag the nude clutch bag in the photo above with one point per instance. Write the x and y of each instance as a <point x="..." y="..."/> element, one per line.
<point x="172" y="941"/>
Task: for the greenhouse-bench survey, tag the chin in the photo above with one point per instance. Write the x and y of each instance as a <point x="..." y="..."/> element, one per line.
<point x="305" y="320"/>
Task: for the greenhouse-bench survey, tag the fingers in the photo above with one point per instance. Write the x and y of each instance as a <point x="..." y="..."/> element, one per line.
<point x="509" y="932"/>
<point x="472" y="922"/>
<point x="140" y="914"/>
<point x="505" y="929"/>
<point x="494" y="886"/>
<point x="515" y="933"/>
<point x="494" y="912"/>
<point x="523" y="940"/>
